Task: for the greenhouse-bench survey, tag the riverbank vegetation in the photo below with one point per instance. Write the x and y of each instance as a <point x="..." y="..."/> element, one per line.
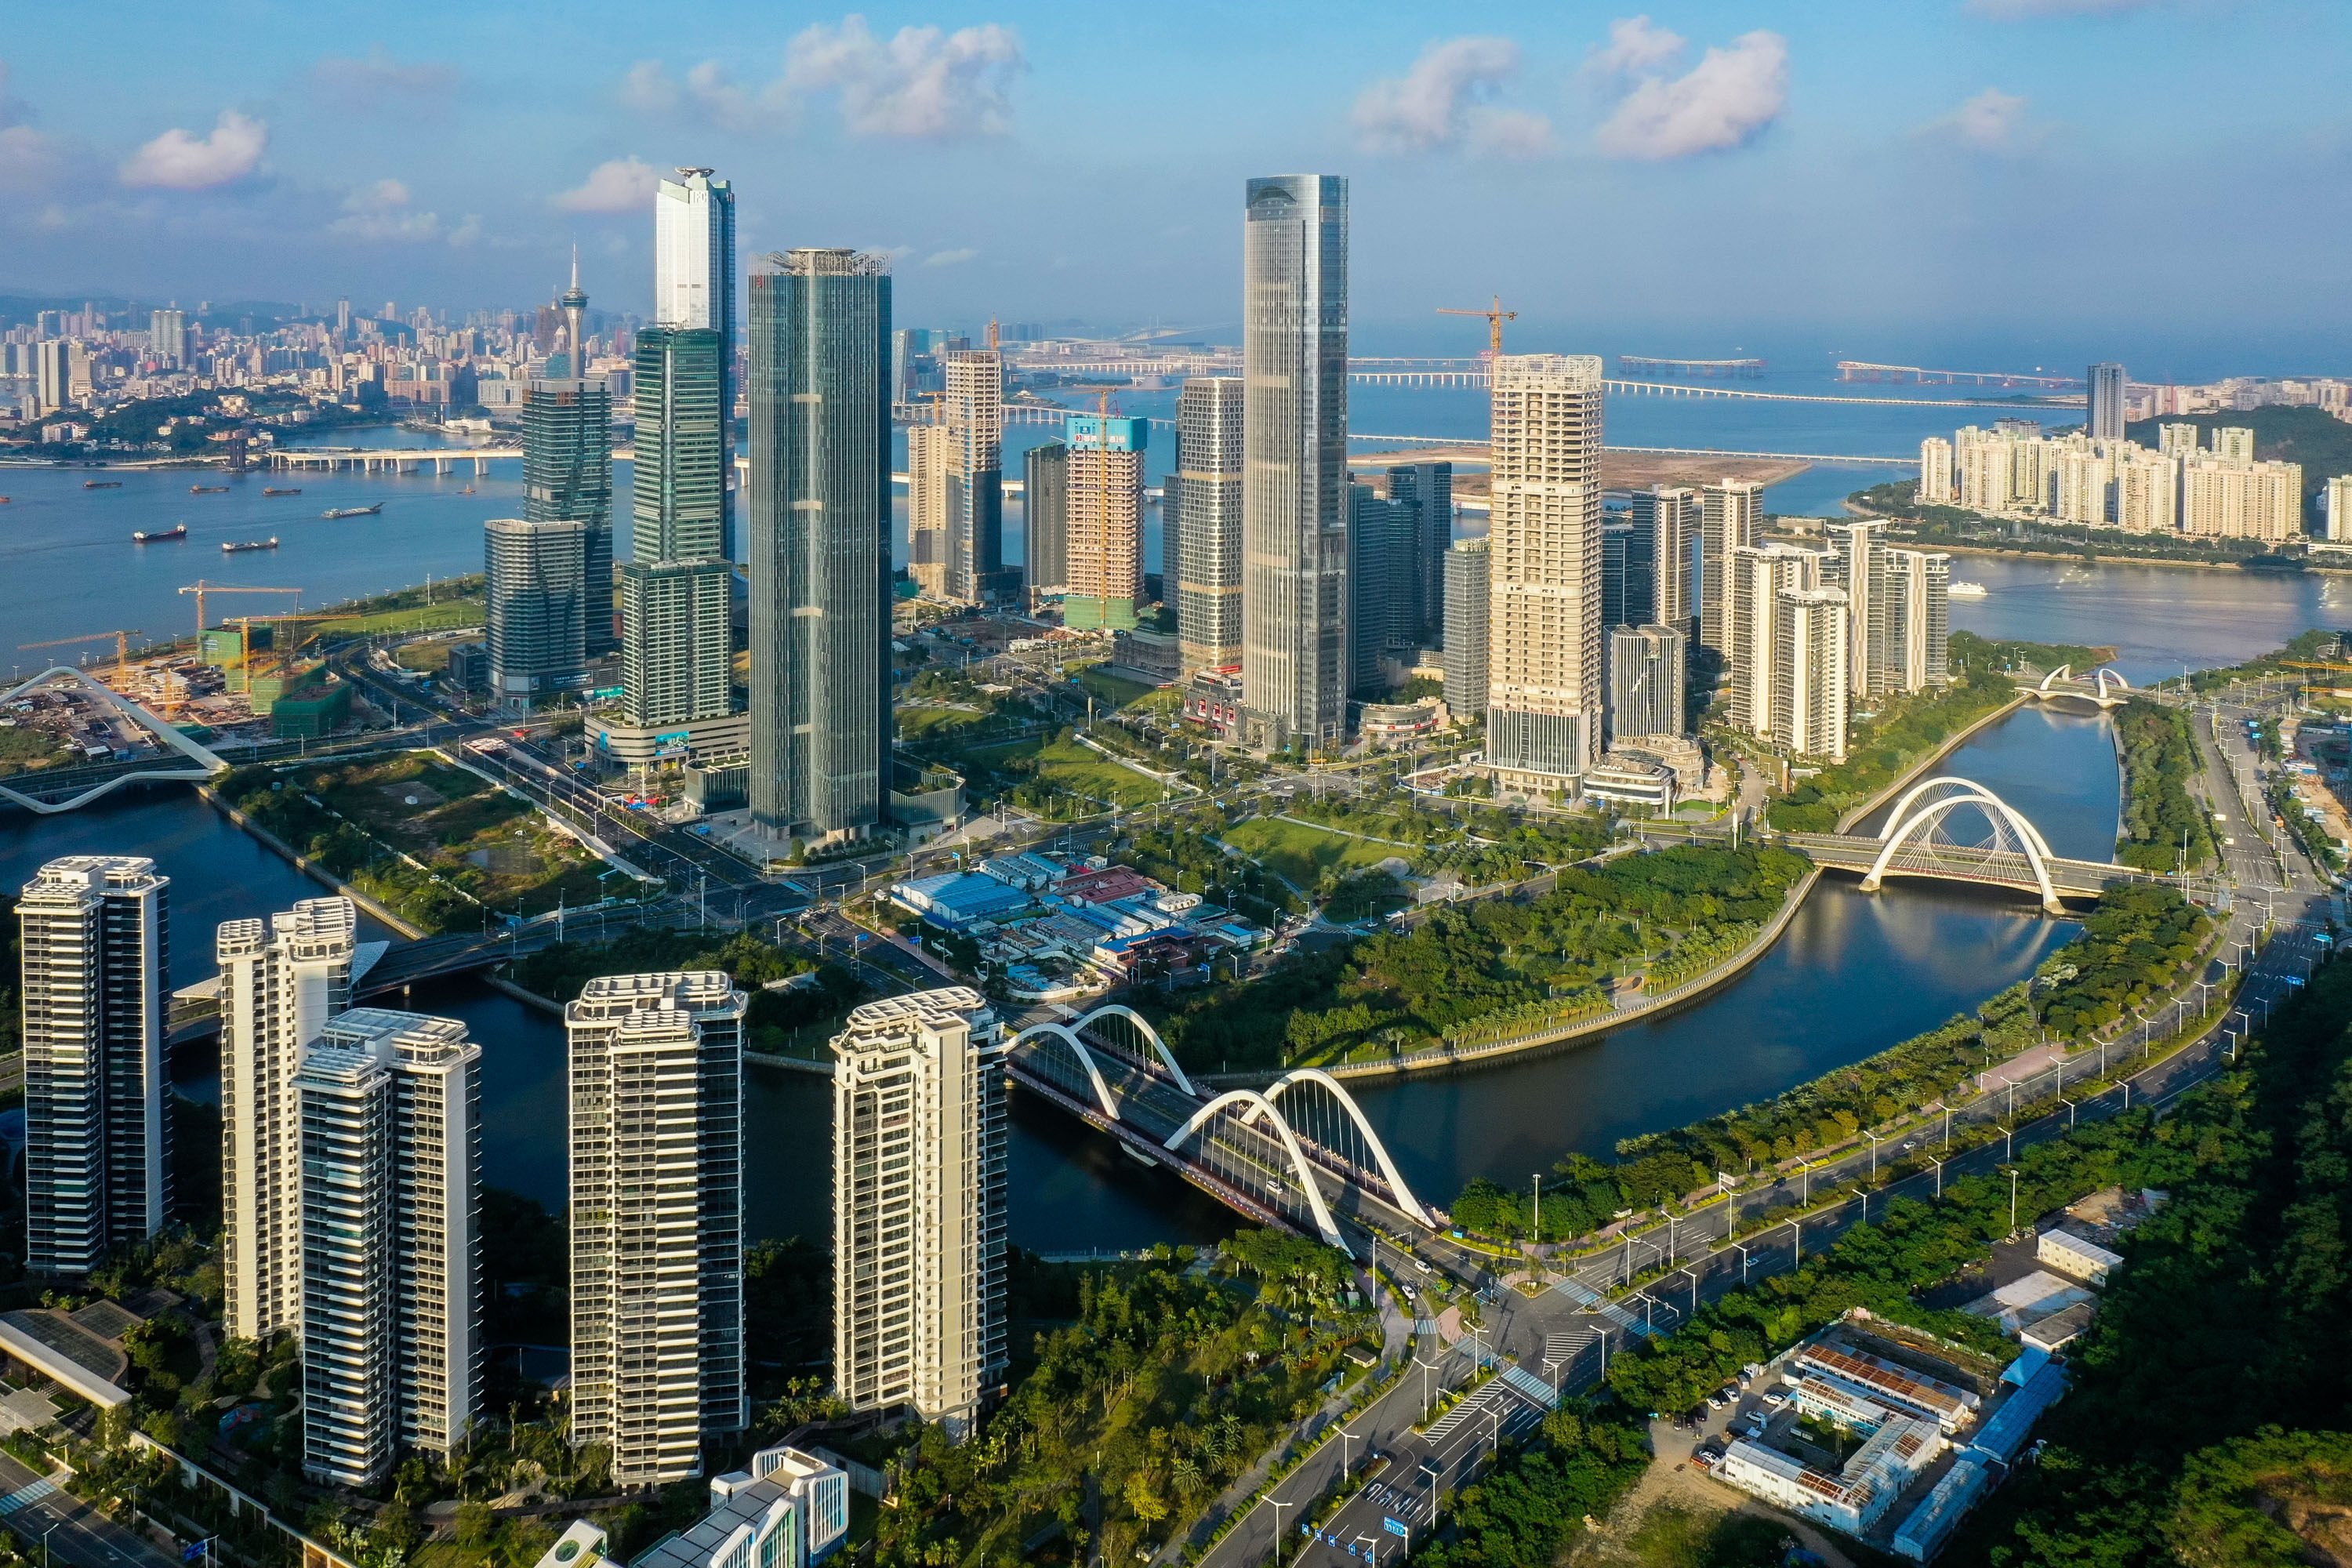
<point x="2164" y="829"/>
<point x="1882" y="748"/>
<point x="2137" y="944"/>
<point x="1468" y="969"/>
<point x="1147" y="1389"/>
<point x="1533" y="1506"/>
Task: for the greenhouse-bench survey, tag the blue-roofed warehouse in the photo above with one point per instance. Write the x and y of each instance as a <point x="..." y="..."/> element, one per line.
<point x="2003" y="1436"/>
<point x="1923" y="1534"/>
<point x="955" y="900"/>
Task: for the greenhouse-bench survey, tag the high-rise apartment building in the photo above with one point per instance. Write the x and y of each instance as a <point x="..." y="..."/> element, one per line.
<point x="1935" y="472"/>
<point x="2234" y="443"/>
<point x="2083" y="488"/>
<point x="1646" y="676"/>
<point x="1731" y="513"/>
<point x="1809" y="680"/>
<point x="2221" y="499"/>
<point x="1295" y="434"/>
<point x="1103" y="526"/>
<point x="676" y="645"/>
<point x="1204" y="508"/>
<point x="1666" y="520"/>
<point x="820" y="516"/>
<point x="918" y="1206"/>
<point x="1469" y="591"/>
<point x="567" y="476"/>
<point x="2148" y="491"/>
<point x="1757" y="575"/>
<point x="1861" y="570"/>
<point x="94" y="934"/>
<point x="974" y="415"/>
<point x="535" y="581"/>
<point x="1428" y="489"/>
<point x="2339" y="506"/>
<point x="694" y="287"/>
<point x="934" y="496"/>
<point x="1919" y="597"/>
<point x="657" y="1217"/>
<point x="2177" y="440"/>
<point x="167" y="338"/>
<point x="280" y="984"/>
<point x="1382" y="565"/>
<point x="2106" y="420"/>
<point x="391" y="1189"/>
<point x="1544" y="696"/>
<point x="1045" y="521"/>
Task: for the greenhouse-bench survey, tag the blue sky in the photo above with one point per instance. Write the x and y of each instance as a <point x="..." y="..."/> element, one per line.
<point x="2164" y="176"/>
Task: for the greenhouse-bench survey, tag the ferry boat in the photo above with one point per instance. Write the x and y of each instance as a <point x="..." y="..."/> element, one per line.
<point x="208" y="489"/>
<point x="277" y="492"/>
<point x="1968" y="590"/>
<point x="332" y="513"/>
<point x="177" y="530"/>
<point x="230" y="547"/>
<point x="101" y="484"/>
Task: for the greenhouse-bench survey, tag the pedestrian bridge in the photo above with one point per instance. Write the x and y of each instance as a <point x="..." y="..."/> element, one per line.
<point x="2104" y="686"/>
<point x="1916" y="843"/>
<point x="1298" y="1153"/>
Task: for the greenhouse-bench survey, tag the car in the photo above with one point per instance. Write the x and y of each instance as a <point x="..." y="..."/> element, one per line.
<point x="1717" y="1402"/>
<point x="1775" y="1397"/>
<point x="1420" y="1264"/>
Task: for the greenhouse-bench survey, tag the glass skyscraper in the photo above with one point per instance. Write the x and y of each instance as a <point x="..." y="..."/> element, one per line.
<point x="694" y="285"/>
<point x="1203" y="511"/>
<point x="820" y="544"/>
<point x="1295" y="430"/>
<point x="567" y="477"/>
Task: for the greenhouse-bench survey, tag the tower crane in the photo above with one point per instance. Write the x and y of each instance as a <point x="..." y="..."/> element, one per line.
<point x="1495" y="316"/>
<point x="202" y="588"/>
<point x="122" y="650"/>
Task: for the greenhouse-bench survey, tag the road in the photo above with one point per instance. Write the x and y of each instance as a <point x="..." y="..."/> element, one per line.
<point x="76" y="1533"/>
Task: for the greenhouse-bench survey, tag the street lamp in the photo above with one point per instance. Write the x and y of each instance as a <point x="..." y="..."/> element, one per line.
<point x="1875" y="1141"/>
<point x="1278" y="1507"/>
<point x="2012" y="1201"/>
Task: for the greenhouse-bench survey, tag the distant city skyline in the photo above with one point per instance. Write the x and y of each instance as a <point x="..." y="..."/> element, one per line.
<point x="1848" y="144"/>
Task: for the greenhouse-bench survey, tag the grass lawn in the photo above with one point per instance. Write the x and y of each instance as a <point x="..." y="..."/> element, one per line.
<point x="1070" y="766"/>
<point x="22" y="748"/>
<point x="928" y="722"/>
<point x="1117" y="690"/>
<point x="1302" y="854"/>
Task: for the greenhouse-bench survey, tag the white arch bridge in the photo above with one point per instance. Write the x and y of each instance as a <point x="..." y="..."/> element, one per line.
<point x="2105" y="687"/>
<point x="1298" y="1153"/>
<point x="1914" y="842"/>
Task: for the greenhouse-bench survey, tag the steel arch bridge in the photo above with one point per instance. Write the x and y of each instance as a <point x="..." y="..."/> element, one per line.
<point x="1299" y="1153"/>
<point x="2093" y="688"/>
<point x="1913" y="844"/>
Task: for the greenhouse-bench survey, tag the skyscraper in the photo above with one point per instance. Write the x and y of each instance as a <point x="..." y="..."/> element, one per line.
<point x="1645" y="680"/>
<point x="567" y="477"/>
<point x="1729" y="514"/>
<point x="2106" y="421"/>
<point x="1757" y="576"/>
<point x="694" y="285"/>
<point x="820" y="515"/>
<point x="279" y="987"/>
<point x="1382" y="568"/>
<point x="95" y="938"/>
<point x="974" y="409"/>
<point x="657" y="1219"/>
<point x="534" y="584"/>
<point x="1428" y="489"/>
<point x="1045" y="521"/>
<point x="1294" y="432"/>
<point x="1935" y="488"/>
<point x="1205" y="508"/>
<point x="1918" y="619"/>
<point x="1624" y="598"/>
<point x="934" y="496"/>
<point x="677" y="647"/>
<point x="390" y="1188"/>
<point x="918" y="1206"/>
<point x="1809" y="680"/>
<point x="1665" y="520"/>
<point x="1861" y="571"/>
<point x="1103" y="514"/>
<point x="1544" y="678"/>
<point x="1468" y="592"/>
<point x="167" y="338"/>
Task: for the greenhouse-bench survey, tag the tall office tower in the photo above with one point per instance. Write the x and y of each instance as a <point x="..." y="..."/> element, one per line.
<point x="1729" y="514"/>
<point x="1918" y="619"/>
<point x="932" y="501"/>
<point x="1172" y="542"/>
<point x="1294" y="438"/>
<point x="1617" y="554"/>
<point x="1381" y="567"/>
<point x="567" y="477"/>
<point x="342" y="318"/>
<point x="906" y="345"/>
<point x="1469" y="589"/>
<point x="1646" y="675"/>
<point x="1045" y="521"/>
<point x="1935" y="472"/>
<point x="975" y="423"/>
<point x="918" y="1206"/>
<point x="820" y="517"/>
<point x="2148" y="491"/>
<point x="2105" y="422"/>
<point x="677" y="651"/>
<point x="1428" y="489"/>
<point x="1757" y="575"/>
<point x="535" y="582"/>
<point x="2176" y="440"/>
<point x="1544" y="675"/>
<point x="2234" y="443"/>
<point x="279" y="987"/>
<point x="1205" y="510"/>
<point x="694" y="285"/>
<point x="1665" y="526"/>
<point x="1861" y="571"/>
<point x="53" y="373"/>
<point x="95" y="936"/>
<point x="1104" y="519"/>
<point x="167" y="338"/>
<point x="1809" y="675"/>
<point x="392" y="1209"/>
<point x="657" y="1216"/>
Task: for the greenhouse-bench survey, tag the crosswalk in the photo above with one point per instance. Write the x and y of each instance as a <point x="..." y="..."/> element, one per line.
<point x="26" y="1496"/>
<point x="1599" y="1306"/>
<point x="1528" y="1386"/>
<point x="1474" y="1408"/>
<point x="1563" y="1347"/>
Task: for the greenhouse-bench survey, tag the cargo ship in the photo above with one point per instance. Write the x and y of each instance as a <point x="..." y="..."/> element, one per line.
<point x="229" y="547"/>
<point x="332" y="513"/>
<point x="101" y="484"/>
<point x="177" y="530"/>
<point x="276" y="492"/>
<point x="208" y="489"/>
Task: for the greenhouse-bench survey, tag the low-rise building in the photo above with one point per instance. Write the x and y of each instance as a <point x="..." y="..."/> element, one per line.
<point x="1910" y="1393"/>
<point x="2077" y="1255"/>
<point x="1629" y="780"/>
<point x="1854" y="1499"/>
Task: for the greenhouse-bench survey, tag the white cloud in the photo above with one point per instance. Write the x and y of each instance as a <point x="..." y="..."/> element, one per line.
<point x="648" y="87"/>
<point x="28" y="159"/>
<point x="382" y="212"/>
<point x="1440" y="103"/>
<point x="923" y="83"/>
<point x="468" y="230"/>
<point x="377" y="77"/>
<point x="1725" y="99"/>
<point x="956" y="257"/>
<point x="179" y="161"/>
<point x="1993" y="120"/>
<point x="1635" y="45"/>
<point x="2012" y="10"/>
<point x="615" y="185"/>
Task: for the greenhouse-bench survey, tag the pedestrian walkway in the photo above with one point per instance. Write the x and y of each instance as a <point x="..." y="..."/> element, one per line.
<point x="26" y="1496"/>
<point x="1599" y="1306"/>
<point x="1493" y="1396"/>
<point x="1528" y="1386"/>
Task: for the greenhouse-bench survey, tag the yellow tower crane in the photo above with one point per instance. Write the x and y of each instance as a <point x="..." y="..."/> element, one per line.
<point x="122" y="650"/>
<point x="1495" y="316"/>
<point x="202" y="588"/>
